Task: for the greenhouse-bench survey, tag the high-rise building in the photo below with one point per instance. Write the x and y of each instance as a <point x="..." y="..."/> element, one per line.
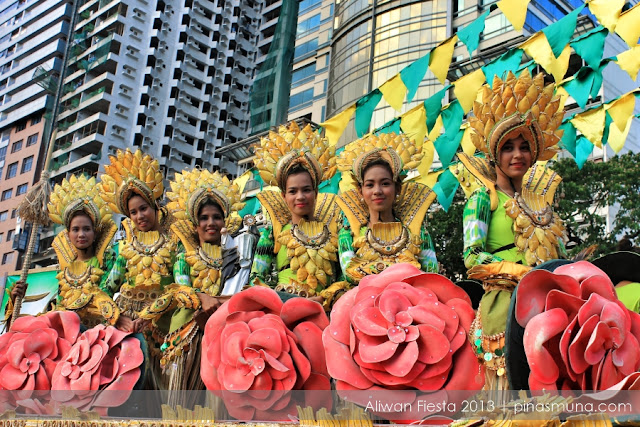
<point x="33" y="38"/>
<point x="170" y="77"/>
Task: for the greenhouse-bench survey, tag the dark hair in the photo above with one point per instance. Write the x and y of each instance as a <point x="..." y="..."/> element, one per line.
<point x="298" y="169"/>
<point x="210" y="202"/>
<point x="134" y="194"/>
<point x="381" y="162"/>
<point x="81" y="212"/>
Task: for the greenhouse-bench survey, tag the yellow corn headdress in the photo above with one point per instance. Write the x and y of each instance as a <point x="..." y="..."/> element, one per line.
<point x="131" y="173"/>
<point x="515" y="107"/>
<point x="78" y="194"/>
<point x="278" y="153"/>
<point x="190" y="189"/>
<point x="397" y="150"/>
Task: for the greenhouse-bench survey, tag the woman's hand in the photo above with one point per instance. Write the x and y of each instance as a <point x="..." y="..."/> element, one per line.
<point x="317" y="299"/>
<point x="124" y="323"/>
<point x="209" y="305"/>
<point x="139" y="325"/>
<point x="19" y="290"/>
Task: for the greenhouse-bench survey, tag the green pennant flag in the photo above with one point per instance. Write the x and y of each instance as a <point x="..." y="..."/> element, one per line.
<point x="447" y="145"/>
<point x="531" y="65"/>
<point x="251" y="207"/>
<point x="584" y="148"/>
<point x="560" y="32"/>
<point x="568" y="141"/>
<point x="590" y="46"/>
<point x="364" y="111"/>
<point x="452" y="119"/>
<point x="597" y="78"/>
<point x="510" y="61"/>
<point x="446" y="188"/>
<point x="580" y="86"/>
<point x="413" y="74"/>
<point x="433" y="105"/>
<point x="392" y="126"/>
<point x="607" y="122"/>
<point x="331" y="185"/>
<point x="470" y="34"/>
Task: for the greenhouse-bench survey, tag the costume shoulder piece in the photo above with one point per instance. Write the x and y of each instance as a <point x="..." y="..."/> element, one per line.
<point x="327" y="209"/>
<point x="279" y="214"/>
<point x="354" y="209"/>
<point x="186" y="232"/>
<point x="79" y="194"/>
<point x="413" y="204"/>
<point x="538" y="230"/>
<point x="478" y="171"/>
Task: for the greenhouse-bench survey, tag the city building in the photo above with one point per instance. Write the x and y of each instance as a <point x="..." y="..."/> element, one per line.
<point x="33" y="38"/>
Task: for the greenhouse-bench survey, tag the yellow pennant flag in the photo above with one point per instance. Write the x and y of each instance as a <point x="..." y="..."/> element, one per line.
<point x="429" y="179"/>
<point x="629" y="61"/>
<point x="515" y="11"/>
<point x="440" y="58"/>
<point x="538" y="48"/>
<point x="607" y="12"/>
<point x="621" y="109"/>
<point x="466" y="88"/>
<point x="242" y="180"/>
<point x="335" y="126"/>
<point x="618" y="137"/>
<point x="468" y="147"/>
<point x="628" y="27"/>
<point x="394" y="92"/>
<point x="437" y="127"/>
<point x="414" y="124"/>
<point x="591" y="125"/>
<point x="425" y="164"/>
<point x="563" y="94"/>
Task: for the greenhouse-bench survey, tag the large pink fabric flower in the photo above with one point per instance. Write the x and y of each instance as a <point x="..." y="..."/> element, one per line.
<point x="402" y="329"/>
<point x="29" y="354"/>
<point x="577" y="335"/>
<point x="99" y="371"/>
<point x="256" y="349"/>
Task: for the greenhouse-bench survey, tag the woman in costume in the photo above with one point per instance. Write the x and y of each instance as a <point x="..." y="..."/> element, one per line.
<point x="80" y="248"/>
<point x="509" y="225"/>
<point x="297" y="252"/>
<point x="205" y="206"/>
<point x="132" y="186"/>
<point x="384" y="217"/>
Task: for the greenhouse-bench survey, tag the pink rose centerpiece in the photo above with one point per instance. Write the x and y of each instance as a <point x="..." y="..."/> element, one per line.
<point x="256" y="350"/>
<point x="45" y="353"/>
<point x="577" y="334"/>
<point x="402" y="329"/>
<point x="99" y="371"/>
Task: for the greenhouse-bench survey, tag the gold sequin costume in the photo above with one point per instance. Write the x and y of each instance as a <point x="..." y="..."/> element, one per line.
<point x="79" y="281"/>
<point x="516" y="107"/>
<point x="384" y="244"/>
<point x="306" y="252"/>
<point x="147" y="256"/>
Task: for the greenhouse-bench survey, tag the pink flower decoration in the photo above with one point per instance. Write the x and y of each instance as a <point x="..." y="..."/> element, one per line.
<point x="29" y="354"/>
<point x="402" y="329"/>
<point x="578" y="335"/>
<point x="99" y="371"/>
<point x="256" y="349"/>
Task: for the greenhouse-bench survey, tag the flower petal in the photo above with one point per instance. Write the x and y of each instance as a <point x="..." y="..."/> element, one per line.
<point x="235" y="379"/>
<point x="599" y="343"/>
<point x="539" y="330"/>
<point x="234" y="336"/>
<point x="298" y="310"/>
<point x="425" y="315"/>
<point x="579" y="344"/>
<point x="256" y="298"/>
<point x="391" y="303"/>
<point x="309" y="337"/>
<point x="394" y="273"/>
<point x="403" y="360"/>
<point x="433" y="345"/>
<point x="267" y="339"/>
<point x="12" y="378"/>
<point x="370" y="321"/>
<point x="372" y="351"/>
<point x="343" y="368"/>
<point x="533" y="289"/>
<point x="442" y="287"/>
<point x="468" y="373"/>
<point x="560" y="299"/>
<point x="339" y="326"/>
<point x="598" y="285"/>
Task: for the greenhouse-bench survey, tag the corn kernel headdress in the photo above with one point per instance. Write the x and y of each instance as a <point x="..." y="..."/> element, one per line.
<point x="129" y="174"/>
<point x="78" y="194"/>
<point x="291" y="146"/>
<point x="191" y="189"/>
<point x="515" y="107"/>
<point x="398" y="151"/>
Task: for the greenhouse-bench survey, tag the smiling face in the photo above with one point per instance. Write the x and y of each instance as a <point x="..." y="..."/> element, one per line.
<point x="210" y="224"/>
<point x="143" y="216"/>
<point x="379" y="191"/>
<point x="300" y="196"/>
<point x="515" y="158"/>
<point x="81" y="232"/>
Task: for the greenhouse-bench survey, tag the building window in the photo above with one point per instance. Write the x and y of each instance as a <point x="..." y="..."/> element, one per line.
<point x="26" y="164"/>
<point x="21" y="126"/>
<point x="303" y="73"/>
<point x="1" y="237"/>
<point x="308" y="25"/>
<point x="35" y="120"/>
<point x="6" y="195"/>
<point x="305" y="48"/>
<point x="17" y="146"/>
<point x="32" y="139"/>
<point x="301" y="98"/>
<point x="7" y="258"/>
<point x="10" y="234"/>
<point x="22" y="188"/>
<point x="14" y="213"/>
<point x="12" y="170"/>
<point x="4" y="215"/>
